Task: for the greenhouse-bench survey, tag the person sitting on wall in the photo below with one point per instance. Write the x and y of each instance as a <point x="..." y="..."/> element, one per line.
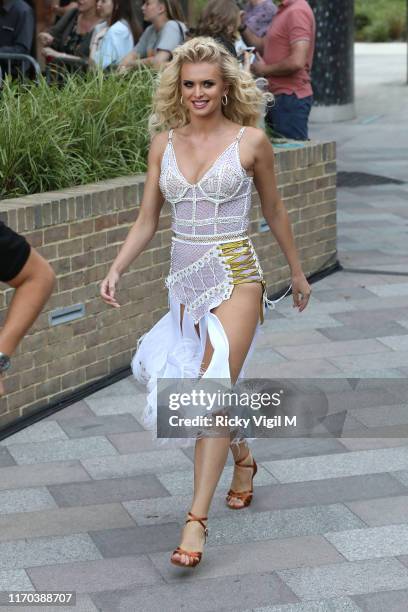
<point x="70" y="38"/>
<point x="33" y="279"/>
<point x="287" y="55"/>
<point x="116" y="36"/>
<point x="167" y="30"/>
<point x="17" y="27"/>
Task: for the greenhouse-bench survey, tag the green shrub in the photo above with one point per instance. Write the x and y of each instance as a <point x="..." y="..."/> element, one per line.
<point x="380" y="20"/>
<point x="92" y="128"/>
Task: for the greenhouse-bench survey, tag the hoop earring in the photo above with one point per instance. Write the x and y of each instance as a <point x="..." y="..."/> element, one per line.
<point x="224" y="97"/>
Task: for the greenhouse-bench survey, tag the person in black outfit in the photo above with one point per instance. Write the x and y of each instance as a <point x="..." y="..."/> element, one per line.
<point x="17" y="28"/>
<point x="33" y="279"/>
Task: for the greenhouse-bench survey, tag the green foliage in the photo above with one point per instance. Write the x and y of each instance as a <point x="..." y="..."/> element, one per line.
<point x="92" y="128"/>
<point x="380" y="20"/>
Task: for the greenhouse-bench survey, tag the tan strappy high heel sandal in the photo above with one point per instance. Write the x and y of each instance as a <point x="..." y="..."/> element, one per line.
<point x="194" y="556"/>
<point x="246" y="496"/>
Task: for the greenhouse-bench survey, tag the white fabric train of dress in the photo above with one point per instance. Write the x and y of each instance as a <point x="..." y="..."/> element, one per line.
<point x="208" y="218"/>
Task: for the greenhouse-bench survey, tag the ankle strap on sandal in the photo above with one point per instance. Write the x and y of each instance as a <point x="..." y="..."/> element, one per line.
<point x="200" y="519"/>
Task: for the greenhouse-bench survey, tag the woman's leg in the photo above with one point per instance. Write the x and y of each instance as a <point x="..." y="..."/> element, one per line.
<point x="239" y="317"/>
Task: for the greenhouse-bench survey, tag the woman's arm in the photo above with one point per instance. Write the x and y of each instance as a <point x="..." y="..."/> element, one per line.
<point x="145" y="225"/>
<point x="275" y="213"/>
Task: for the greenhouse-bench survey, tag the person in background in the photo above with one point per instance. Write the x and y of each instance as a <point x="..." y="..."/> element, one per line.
<point x="167" y="30"/>
<point x="116" y="36"/>
<point x="17" y="26"/>
<point x="33" y="279"/>
<point x="70" y="38"/>
<point x="287" y="54"/>
<point x="258" y="16"/>
<point x="59" y="8"/>
<point x="220" y="19"/>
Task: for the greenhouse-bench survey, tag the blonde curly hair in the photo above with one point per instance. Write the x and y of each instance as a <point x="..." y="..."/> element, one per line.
<point x="245" y="100"/>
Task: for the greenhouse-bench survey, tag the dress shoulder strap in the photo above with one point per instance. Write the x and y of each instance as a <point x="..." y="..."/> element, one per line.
<point x="240" y="133"/>
<point x="171" y="132"/>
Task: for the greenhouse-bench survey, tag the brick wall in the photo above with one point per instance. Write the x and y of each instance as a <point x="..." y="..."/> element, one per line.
<point x="80" y="230"/>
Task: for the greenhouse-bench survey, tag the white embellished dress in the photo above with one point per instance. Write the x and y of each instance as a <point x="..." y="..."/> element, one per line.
<point x="211" y="252"/>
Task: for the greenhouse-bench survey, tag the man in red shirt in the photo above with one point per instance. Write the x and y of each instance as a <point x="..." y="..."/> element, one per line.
<point x="287" y="54"/>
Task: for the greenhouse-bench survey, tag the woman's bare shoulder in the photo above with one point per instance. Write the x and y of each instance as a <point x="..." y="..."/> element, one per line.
<point x="158" y="145"/>
<point x="256" y="136"/>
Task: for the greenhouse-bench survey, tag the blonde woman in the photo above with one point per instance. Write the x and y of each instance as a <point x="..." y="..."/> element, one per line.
<point x="203" y="163"/>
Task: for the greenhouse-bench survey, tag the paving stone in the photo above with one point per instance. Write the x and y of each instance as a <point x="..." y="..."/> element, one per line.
<point x="379" y="416"/>
<point x="15" y="580"/>
<point x="397" y="343"/>
<point x="303" y="322"/>
<point x="95" y="426"/>
<point x="357" y="400"/>
<point x="48" y="550"/>
<point x="326" y="491"/>
<point x="401" y="476"/>
<point x="375" y="360"/>
<point x="351" y="578"/>
<point x="284" y="523"/>
<point x="380" y="303"/>
<point x="382" y="511"/>
<point x="25" y="500"/>
<point x="181" y="482"/>
<point x="63" y="521"/>
<point x="231" y="560"/>
<point x="38" y="474"/>
<point x="119" y="542"/>
<point x="261" y="355"/>
<point x="391" y="601"/>
<point x="275" y="339"/>
<point x="118" y="404"/>
<point x="62" y="450"/>
<point x="390" y="290"/>
<point x="42" y="431"/>
<point x="337" y="604"/>
<point x="333" y="466"/>
<point x="121" y="387"/>
<point x="285" y="448"/>
<point x="379" y="315"/>
<point x="95" y="575"/>
<point x="137" y="463"/>
<point x="348" y="347"/>
<point x="369" y="543"/>
<point x="341" y="293"/>
<point x="312" y="368"/>
<point x="364" y="330"/>
<point x="5" y="459"/>
<point x="156" y="511"/>
<point x="353" y="444"/>
<point x="127" y="443"/>
<point x="108" y="490"/>
<point x="226" y="593"/>
<point x="319" y="308"/>
<point x="77" y="410"/>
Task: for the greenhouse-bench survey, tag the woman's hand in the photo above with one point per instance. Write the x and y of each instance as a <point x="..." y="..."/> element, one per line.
<point x="45" y="38"/>
<point x="108" y="288"/>
<point x="301" y="291"/>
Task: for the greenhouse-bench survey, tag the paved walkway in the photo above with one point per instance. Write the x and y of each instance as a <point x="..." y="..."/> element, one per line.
<point x="87" y="503"/>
